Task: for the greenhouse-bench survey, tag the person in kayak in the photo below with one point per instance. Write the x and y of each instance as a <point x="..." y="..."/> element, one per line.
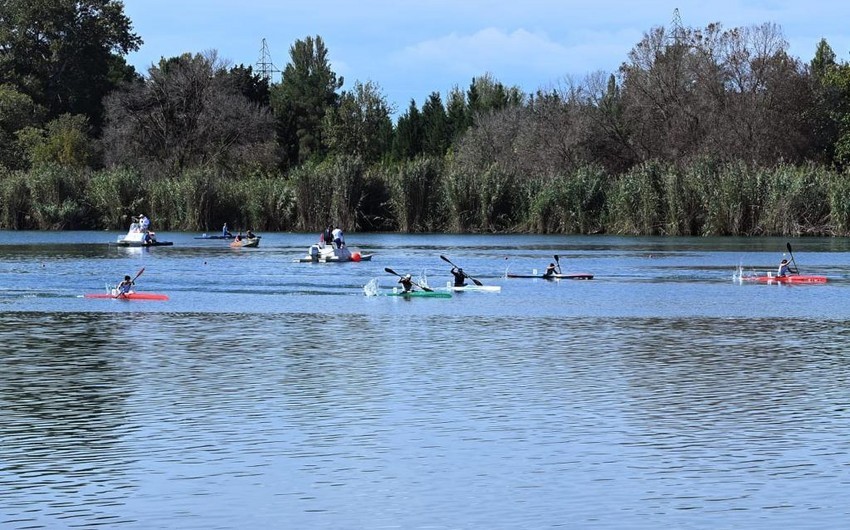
<point x="460" y="276"/>
<point x="784" y="268"/>
<point x="126" y="286"/>
<point x="406" y="282"/>
<point x="550" y="271"/>
<point x="238" y="237"/>
<point x="249" y="234"/>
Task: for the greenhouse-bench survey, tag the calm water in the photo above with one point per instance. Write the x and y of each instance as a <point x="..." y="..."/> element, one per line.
<point x="273" y="394"/>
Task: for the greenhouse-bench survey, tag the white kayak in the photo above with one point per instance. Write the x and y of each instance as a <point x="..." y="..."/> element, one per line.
<point x="471" y="287"/>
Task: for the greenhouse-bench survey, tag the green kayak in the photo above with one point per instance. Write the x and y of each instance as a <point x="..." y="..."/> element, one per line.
<point x="422" y="294"/>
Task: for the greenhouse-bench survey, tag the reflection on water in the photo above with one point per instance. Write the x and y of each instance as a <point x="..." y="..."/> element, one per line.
<point x="410" y="420"/>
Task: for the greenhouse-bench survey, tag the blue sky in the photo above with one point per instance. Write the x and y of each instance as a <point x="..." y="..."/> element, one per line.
<point x="413" y="48"/>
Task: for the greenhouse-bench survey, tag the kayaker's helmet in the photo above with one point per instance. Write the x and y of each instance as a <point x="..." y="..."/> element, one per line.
<point x="126" y="278"/>
<point x="784" y="261"/>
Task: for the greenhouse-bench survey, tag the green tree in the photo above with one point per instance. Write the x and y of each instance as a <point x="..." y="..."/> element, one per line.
<point x="64" y="142"/>
<point x="458" y="118"/>
<point x="17" y="111"/>
<point x="830" y="101"/>
<point x="252" y="86"/>
<point x="308" y="89"/>
<point x="486" y="94"/>
<point x="66" y="54"/>
<point x="435" y="129"/>
<point x="408" y="137"/>
<point x="360" y="124"/>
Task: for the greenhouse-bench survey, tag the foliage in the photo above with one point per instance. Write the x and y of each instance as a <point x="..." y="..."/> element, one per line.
<point x="66" y="55"/>
<point x="17" y="111"/>
<point x="300" y="102"/>
<point x="187" y="115"/>
<point x="415" y="194"/>
<point x="64" y="142"/>
<point x="360" y="125"/>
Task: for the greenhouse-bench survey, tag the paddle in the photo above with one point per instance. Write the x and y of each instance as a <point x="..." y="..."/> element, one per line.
<point x="447" y="260"/>
<point x="788" y="246"/>
<point x="558" y="261"/>
<point x="389" y="270"/>
<point x="122" y="295"/>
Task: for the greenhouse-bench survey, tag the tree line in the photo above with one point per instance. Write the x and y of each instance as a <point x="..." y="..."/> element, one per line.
<point x="708" y="131"/>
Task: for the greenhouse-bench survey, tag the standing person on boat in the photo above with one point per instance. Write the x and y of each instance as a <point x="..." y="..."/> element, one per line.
<point x="126" y="286"/>
<point x="406" y="282"/>
<point x="338" y="237"/>
<point x="144" y="222"/>
<point x="225" y="232"/>
<point x="460" y="276"/>
<point x="327" y="236"/>
<point x="784" y="268"/>
<point x="550" y="271"/>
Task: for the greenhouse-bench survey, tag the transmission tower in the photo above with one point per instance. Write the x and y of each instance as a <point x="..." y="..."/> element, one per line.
<point x="677" y="30"/>
<point x="265" y="66"/>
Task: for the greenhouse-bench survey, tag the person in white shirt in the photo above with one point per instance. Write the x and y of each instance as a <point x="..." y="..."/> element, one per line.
<point x="144" y="222"/>
<point x="339" y="238"/>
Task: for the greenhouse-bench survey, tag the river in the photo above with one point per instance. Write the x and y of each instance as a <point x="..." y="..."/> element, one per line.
<point x="267" y="393"/>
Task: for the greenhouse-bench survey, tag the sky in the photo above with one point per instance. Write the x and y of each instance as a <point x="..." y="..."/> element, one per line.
<point x="413" y="48"/>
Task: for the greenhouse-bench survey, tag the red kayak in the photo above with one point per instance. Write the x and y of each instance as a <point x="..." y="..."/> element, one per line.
<point x="129" y="296"/>
<point x="791" y="278"/>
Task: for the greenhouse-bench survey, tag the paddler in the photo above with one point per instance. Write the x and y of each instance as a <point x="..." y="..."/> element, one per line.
<point x="784" y="268"/>
<point x="550" y="271"/>
<point x="406" y="282"/>
<point x="126" y="286"/>
<point x="460" y="276"/>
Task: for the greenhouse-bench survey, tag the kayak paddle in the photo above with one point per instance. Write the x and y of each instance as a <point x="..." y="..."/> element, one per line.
<point x="447" y="260"/>
<point x="389" y="270"/>
<point x="558" y="261"/>
<point x="796" y="270"/>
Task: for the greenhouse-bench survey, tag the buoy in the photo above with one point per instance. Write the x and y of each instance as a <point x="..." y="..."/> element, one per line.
<point x="355" y="256"/>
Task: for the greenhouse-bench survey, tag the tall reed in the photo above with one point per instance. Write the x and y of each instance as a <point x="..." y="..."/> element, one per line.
<point x="416" y="194"/>
<point x="15" y="203"/>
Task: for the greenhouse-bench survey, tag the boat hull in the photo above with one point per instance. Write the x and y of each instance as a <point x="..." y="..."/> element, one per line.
<point x="329" y="254"/>
<point x="124" y="243"/>
<point x="137" y="237"/>
<point x="791" y="278"/>
<point x="480" y="288"/>
<point x="128" y="296"/>
<point x="421" y="294"/>
<point x="246" y="243"/>
<point x="571" y="276"/>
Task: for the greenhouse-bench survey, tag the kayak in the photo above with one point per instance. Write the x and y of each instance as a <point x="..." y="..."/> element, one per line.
<point x="219" y="236"/>
<point x="571" y="276"/>
<point x="421" y="294"/>
<point x="129" y="296"/>
<point x="791" y="278"/>
<point x="482" y="288"/>
<point x="252" y="242"/>
<point x="205" y="236"/>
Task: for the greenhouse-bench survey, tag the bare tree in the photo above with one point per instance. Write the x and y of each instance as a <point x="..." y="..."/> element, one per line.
<point x="187" y="113"/>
